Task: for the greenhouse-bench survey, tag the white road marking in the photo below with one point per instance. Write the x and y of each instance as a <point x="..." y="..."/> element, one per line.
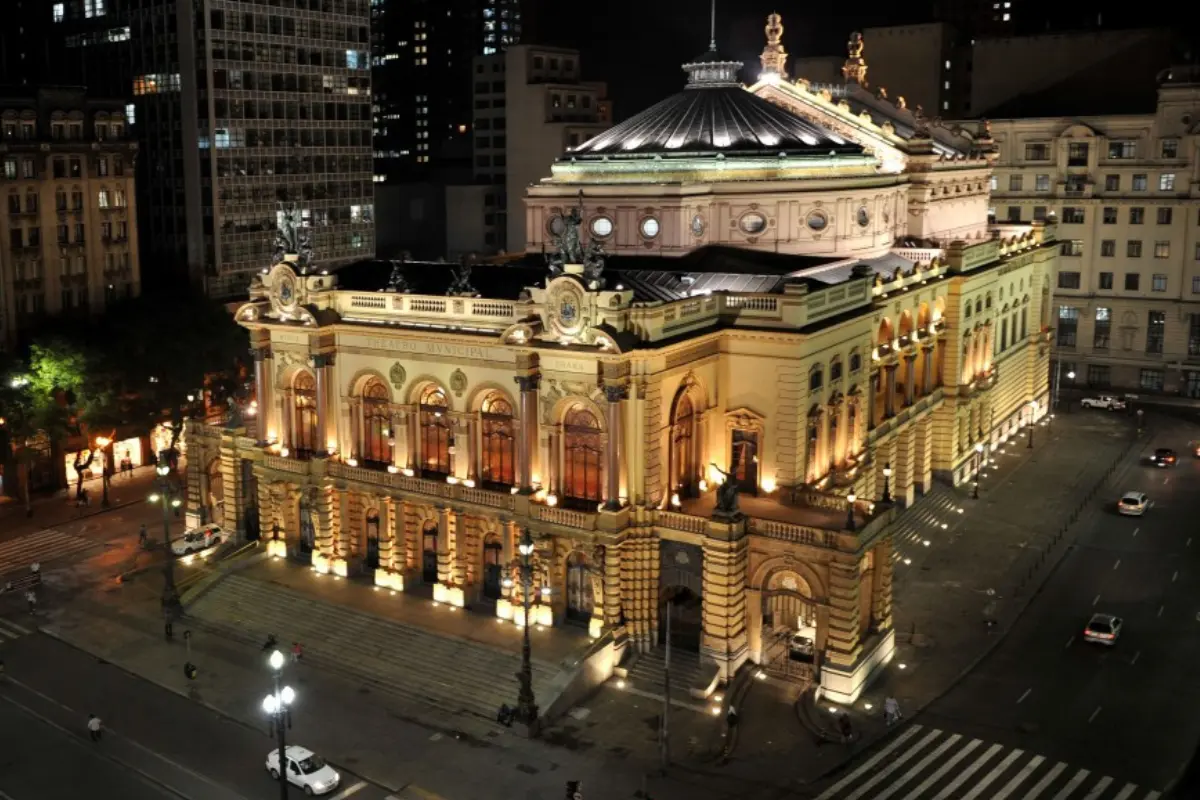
<point x="1189" y="542"/>
<point x="832" y="791"/>
<point x="918" y="769"/>
<point x="11" y="630"/>
<point x="968" y="772"/>
<point x="1154" y="796"/>
<point x="1117" y="564"/>
<point x="1019" y="778"/>
<point x="986" y="780"/>
<point x="1160" y="610"/>
<point x="1175" y="577"/>
<point x="1072" y="785"/>
<point x="1097" y="600"/>
<point x="1069" y="642"/>
<point x="1166" y="481"/>
<point x="349" y="790"/>
<point x="1095" y="714"/>
<point x="899" y="761"/>
<point x="949" y="765"/>
<point x="1136" y="656"/>
<point x="1124" y="794"/>
<point x="1022" y="697"/>
<point x="1135" y="531"/>
<point x="1098" y="789"/>
<point x="1046" y="780"/>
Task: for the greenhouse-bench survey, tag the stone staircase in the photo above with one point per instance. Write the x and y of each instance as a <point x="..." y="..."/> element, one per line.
<point x="411" y="664"/>
<point x="692" y="681"/>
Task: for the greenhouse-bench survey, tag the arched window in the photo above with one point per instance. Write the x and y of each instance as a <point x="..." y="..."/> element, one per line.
<point x="855" y="362"/>
<point x="376" y="423"/>
<point x="815" y="379"/>
<point x="851" y="426"/>
<point x="1024" y="321"/>
<point x="498" y="440"/>
<point x="582" y="451"/>
<point x="1004" y="334"/>
<point x="435" y="431"/>
<point x="683" y="451"/>
<point x="835" y="371"/>
<point x="304" y="409"/>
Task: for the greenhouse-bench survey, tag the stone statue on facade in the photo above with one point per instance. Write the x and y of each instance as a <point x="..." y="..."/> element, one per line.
<point x="567" y="242"/>
<point x="460" y="283"/>
<point x="727" y="495"/>
<point x="593" y="266"/>
<point x="396" y="281"/>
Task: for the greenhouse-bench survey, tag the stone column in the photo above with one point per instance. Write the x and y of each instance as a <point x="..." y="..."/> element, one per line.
<point x="872" y="398"/>
<point x="927" y="370"/>
<point x="527" y="443"/>
<point x="724" y="607"/>
<point x="321" y="363"/>
<point x="881" y="588"/>
<point x="910" y="378"/>
<point x="462" y="448"/>
<point x="614" y="395"/>
<point x="889" y="401"/>
<point x="399" y="434"/>
<point x="443" y="555"/>
<point x="262" y="391"/>
<point x="842" y="645"/>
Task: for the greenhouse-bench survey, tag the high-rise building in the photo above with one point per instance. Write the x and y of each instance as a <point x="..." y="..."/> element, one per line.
<point x="69" y="224"/>
<point x="239" y="107"/>
<point x="29" y="52"/>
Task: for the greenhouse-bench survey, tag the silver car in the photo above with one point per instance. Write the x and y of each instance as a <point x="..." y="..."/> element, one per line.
<point x="1102" y="629"/>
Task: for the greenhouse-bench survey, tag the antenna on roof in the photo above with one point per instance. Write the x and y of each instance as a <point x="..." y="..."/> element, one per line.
<point x="712" y="42"/>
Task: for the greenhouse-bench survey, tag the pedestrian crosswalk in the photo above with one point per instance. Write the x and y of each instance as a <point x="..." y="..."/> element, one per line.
<point x="41" y="547"/>
<point x="12" y="630"/>
<point x="925" y="522"/>
<point x="929" y="764"/>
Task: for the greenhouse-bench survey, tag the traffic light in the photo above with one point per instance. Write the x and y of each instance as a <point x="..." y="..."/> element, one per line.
<point x="574" y="790"/>
<point x="189" y="671"/>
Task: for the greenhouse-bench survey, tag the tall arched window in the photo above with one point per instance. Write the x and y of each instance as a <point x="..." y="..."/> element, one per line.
<point x="376" y="423"/>
<point x="683" y="458"/>
<point x="498" y="440"/>
<point x="435" y="431"/>
<point x="851" y="427"/>
<point x="304" y="410"/>
<point x="582" y="453"/>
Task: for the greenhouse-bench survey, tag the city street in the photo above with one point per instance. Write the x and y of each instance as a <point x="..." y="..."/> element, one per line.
<point x="1046" y="712"/>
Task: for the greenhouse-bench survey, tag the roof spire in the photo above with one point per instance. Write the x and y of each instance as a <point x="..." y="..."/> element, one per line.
<point x="774" y="57"/>
<point x="855" y="68"/>
<point x="712" y="41"/>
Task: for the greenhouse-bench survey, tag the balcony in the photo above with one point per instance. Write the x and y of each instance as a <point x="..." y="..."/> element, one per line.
<point x="456" y="490"/>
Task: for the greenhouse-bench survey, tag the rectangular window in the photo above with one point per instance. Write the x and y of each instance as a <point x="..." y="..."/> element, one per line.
<point x="1014" y="213"/>
<point x="1039" y="213"/>
<point x="1106" y="280"/>
<point x="1194" y="334"/>
<point x="1139" y="183"/>
<point x="1076" y="184"/>
<point x="1099" y="376"/>
<point x="1156" y="326"/>
<point x="1158" y="282"/>
<point x="10" y="168"/>
<point x="103" y="198"/>
<point x="1038" y="151"/>
<point x="1196" y="284"/>
<point x="1169" y="148"/>
<point x="1166" y="182"/>
<point x="1132" y="281"/>
<point x="1102" y="329"/>
<point x="1072" y="247"/>
<point x="1068" y="325"/>
<point x="1137" y="215"/>
<point x="1151" y="380"/>
<point x="1162" y="249"/>
<point x="1077" y="154"/>
<point x="1015" y="183"/>
<point x="1110" y="215"/>
<point x="1112" y="183"/>
<point x="1164" y="216"/>
<point x="1042" y="183"/>
<point x="1122" y="149"/>
<point x="1133" y="248"/>
<point x="1068" y="280"/>
<point x="1108" y="248"/>
<point x="1073" y="215"/>
<point x="28" y="170"/>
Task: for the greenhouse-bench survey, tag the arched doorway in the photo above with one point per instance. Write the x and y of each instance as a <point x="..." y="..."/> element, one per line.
<point x="683" y="447"/>
<point x="684" y="609"/>
<point x="581" y="600"/>
<point x="308" y="531"/>
<point x="493" y="567"/>
<point x="429" y="552"/>
<point x="789" y="620"/>
<point x="214" y="501"/>
<point x="372" y="540"/>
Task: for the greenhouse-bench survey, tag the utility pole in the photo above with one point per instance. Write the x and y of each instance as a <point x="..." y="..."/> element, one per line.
<point x="665" y="733"/>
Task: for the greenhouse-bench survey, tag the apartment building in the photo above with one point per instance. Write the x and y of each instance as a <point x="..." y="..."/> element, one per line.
<point x="69" y="222"/>
<point x="1125" y="190"/>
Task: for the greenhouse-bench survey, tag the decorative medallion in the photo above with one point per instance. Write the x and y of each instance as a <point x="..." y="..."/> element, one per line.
<point x="284" y="291"/>
<point x="458" y="382"/>
<point x="397" y="375"/>
<point x="697" y="225"/>
<point x="681" y="558"/>
<point x="565" y="307"/>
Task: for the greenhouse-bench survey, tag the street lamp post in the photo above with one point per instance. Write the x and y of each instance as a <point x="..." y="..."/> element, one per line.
<point x="103" y="443"/>
<point x="978" y="466"/>
<point x="1071" y="378"/>
<point x="1032" y="418"/>
<point x="276" y="705"/>
<point x="887" y="479"/>
<point x="850" y="500"/>
<point x="167" y="495"/>
<point x="527" y="710"/>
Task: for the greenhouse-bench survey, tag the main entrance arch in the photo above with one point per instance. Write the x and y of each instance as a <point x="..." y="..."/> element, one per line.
<point x="429" y="552"/>
<point x="681" y="594"/>
<point x="581" y="601"/>
<point x="373" y="540"/>
<point x="493" y="567"/>
<point x="789" y="626"/>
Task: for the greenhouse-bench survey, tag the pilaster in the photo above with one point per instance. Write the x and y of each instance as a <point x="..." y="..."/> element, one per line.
<point x="843" y="644"/>
<point x="724" y="611"/>
<point x="639" y="587"/>
<point x="881" y="588"/>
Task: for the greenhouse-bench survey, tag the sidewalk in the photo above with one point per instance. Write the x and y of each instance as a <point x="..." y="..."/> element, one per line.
<point x="1005" y="542"/>
<point x="59" y="508"/>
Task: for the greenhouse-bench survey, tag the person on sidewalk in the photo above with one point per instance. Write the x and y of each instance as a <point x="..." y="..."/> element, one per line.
<point x="844" y="728"/>
<point x="143" y="537"/>
<point x="891" y="711"/>
<point x="31" y="599"/>
<point x="95" y="731"/>
<point x="297" y="652"/>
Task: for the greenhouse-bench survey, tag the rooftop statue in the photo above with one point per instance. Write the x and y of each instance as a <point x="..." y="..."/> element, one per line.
<point x="570" y="250"/>
<point x="292" y="237"/>
<point x="396" y="281"/>
<point x="460" y="284"/>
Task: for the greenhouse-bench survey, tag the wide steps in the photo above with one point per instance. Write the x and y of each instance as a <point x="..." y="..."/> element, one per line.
<point x="414" y="664"/>
<point x="648" y="672"/>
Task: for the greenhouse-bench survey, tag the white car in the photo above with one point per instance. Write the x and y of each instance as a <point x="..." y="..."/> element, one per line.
<point x="1105" y="401"/>
<point x="1132" y="504"/>
<point x="1102" y="629"/>
<point x="198" y="539"/>
<point x="305" y="769"/>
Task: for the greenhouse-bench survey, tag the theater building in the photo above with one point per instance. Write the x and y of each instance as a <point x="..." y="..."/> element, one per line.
<point x="804" y="313"/>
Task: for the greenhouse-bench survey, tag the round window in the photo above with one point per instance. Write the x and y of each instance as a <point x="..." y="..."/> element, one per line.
<point x="753" y="223"/>
<point x="556" y="225"/>
<point x="698" y="225"/>
<point x="649" y="227"/>
<point x="864" y="216"/>
<point x="602" y="227"/>
<point x="817" y="221"/>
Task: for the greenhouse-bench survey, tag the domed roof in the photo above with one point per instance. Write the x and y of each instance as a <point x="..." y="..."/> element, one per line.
<point x="714" y="114"/>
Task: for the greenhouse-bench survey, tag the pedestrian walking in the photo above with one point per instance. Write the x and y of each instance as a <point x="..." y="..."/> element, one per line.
<point x="891" y="711"/>
<point x="844" y="727"/>
<point x="31" y="599"/>
<point x="297" y="652"/>
<point x="143" y="537"/>
<point x="95" y="730"/>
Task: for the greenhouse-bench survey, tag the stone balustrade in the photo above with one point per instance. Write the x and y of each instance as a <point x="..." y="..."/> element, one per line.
<point x="564" y="516"/>
<point x="682" y="522"/>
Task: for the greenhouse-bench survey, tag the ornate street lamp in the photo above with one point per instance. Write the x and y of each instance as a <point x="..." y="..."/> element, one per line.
<point x="527" y="710"/>
<point x="276" y="705"/>
<point x="978" y="466"/>
<point x="887" y="478"/>
<point x="850" y="500"/>
<point x="168" y="495"/>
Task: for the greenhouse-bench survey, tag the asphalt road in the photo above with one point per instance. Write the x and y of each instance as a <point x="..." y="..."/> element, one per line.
<point x="1130" y="711"/>
<point x="157" y="744"/>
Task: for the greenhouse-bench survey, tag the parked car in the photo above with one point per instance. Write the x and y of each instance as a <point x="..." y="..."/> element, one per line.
<point x="305" y="769"/>
<point x="1164" y="457"/>
<point x="198" y="539"/>
<point x="1102" y="629"/>
<point x="1132" y="504"/>
<point x="1105" y="401"/>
